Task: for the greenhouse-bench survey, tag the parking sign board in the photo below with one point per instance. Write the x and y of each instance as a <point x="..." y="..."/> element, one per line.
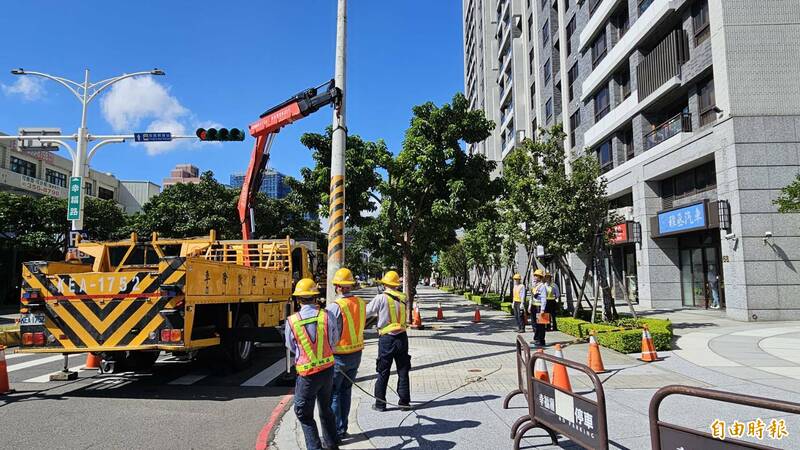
<point x="74" y="199"/>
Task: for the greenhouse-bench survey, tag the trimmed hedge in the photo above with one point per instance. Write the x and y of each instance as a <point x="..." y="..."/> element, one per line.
<point x="446" y="288"/>
<point x="622" y="340"/>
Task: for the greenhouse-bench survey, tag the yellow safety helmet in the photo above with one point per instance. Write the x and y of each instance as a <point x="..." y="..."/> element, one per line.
<point x="306" y="288"/>
<point x="538" y="273"/>
<point x="517" y="276"/>
<point x="343" y="277"/>
<point x="390" y="278"/>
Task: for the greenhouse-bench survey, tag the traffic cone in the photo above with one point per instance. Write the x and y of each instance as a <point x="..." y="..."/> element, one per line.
<point x="417" y="322"/>
<point x="540" y="369"/>
<point x="5" y="388"/>
<point x="595" y="360"/>
<point x="93" y="361"/>
<point x="648" y="348"/>
<point x="560" y="377"/>
<point x="439" y="312"/>
<point x="477" y="317"/>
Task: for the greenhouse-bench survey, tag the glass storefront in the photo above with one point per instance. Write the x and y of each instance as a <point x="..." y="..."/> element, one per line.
<point x="624" y="268"/>
<point x="702" y="284"/>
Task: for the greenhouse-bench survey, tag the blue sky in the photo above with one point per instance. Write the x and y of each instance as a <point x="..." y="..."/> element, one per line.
<point x="226" y="62"/>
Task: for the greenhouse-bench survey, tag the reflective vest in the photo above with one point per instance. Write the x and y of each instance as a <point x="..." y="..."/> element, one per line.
<point x="354" y="315"/>
<point x="517" y="290"/>
<point x="397" y="312"/>
<point x="550" y="292"/>
<point x="308" y="361"/>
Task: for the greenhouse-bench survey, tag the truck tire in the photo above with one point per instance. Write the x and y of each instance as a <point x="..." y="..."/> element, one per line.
<point x="240" y="352"/>
<point x="141" y="360"/>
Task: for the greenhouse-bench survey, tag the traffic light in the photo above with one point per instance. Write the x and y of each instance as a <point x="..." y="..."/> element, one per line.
<point x="222" y="134"/>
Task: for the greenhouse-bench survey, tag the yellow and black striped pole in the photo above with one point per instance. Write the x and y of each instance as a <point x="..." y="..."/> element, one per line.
<point x="338" y="145"/>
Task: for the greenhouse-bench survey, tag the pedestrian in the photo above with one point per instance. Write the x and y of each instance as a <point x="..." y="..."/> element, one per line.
<point x="553" y="300"/>
<point x="390" y="308"/>
<point x="713" y="286"/>
<point x="518" y="302"/>
<point x="537" y="307"/>
<point x="311" y="334"/>
<point x="347" y="353"/>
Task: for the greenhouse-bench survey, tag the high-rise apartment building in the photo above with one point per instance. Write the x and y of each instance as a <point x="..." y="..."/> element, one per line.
<point x="692" y="108"/>
<point x="273" y="183"/>
<point x="182" y="173"/>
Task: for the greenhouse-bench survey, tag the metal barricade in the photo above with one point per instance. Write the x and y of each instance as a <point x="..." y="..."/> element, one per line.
<point x="523" y="355"/>
<point x="668" y="436"/>
<point x="555" y="410"/>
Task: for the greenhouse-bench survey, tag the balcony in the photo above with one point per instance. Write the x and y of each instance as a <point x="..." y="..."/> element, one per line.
<point x="662" y="63"/>
<point x="680" y="123"/>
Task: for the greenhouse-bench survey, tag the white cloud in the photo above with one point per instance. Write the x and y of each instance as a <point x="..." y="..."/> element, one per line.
<point x="29" y="88"/>
<point x="142" y="102"/>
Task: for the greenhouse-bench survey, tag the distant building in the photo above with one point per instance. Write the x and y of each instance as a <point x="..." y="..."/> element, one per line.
<point x="134" y="194"/>
<point x="273" y="184"/>
<point x="182" y="173"/>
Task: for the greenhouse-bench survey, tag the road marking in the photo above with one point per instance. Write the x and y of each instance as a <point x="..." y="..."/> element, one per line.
<point x="46" y="378"/>
<point x="262" y="441"/>
<point x="35" y="362"/>
<point x="17" y="355"/>
<point x="264" y="377"/>
<point x="187" y="380"/>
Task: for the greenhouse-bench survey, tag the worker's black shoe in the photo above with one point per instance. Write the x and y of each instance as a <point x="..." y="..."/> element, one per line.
<point x="378" y="408"/>
<point x="404" y="406"/>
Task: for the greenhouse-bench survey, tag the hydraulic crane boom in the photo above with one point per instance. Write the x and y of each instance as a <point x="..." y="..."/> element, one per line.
<point x="264" y="130"/>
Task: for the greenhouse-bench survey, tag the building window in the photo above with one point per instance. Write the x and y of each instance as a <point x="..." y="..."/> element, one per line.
<point x="545" y="31"/>
<point x="570" y="32"/>
<point x="548" y="109"/>
<point x="547" y="71"/>
<point x="604" y="157"/>
<point x="623" y="78"/>
<point x="593" y="4"/>
<point x="700" y="21"/>
<point x="689" y="183"/>
<point x="22" y="166"/>
<point x="574" y="124"/>
<point x="601" y="105"/>
<point x="530" y="27"/>
<point x="87" y="188"/>
<point x="599" y="49"/>
<point x="643" y="5"/>
<point x="531" y="62"/>
<point x="105" y="194"/>
<point x="626" y="139"/>
<point x="621" y="20"/>
<point x="572" y="75"/>
<point x="544" y="3"/>
<point x="708" y="104"/>
<point x="55" y="177"/>
<point x="533" y="94"/>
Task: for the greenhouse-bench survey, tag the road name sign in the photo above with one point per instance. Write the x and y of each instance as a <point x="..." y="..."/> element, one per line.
<point x="74" y="199"/>
<point x="152" y="137"/>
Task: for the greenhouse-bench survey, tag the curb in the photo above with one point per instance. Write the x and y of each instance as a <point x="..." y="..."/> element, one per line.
<point x="267" y="432"/>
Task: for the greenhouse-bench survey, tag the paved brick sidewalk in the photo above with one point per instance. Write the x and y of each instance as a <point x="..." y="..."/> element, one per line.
<point x="448" y="353"/>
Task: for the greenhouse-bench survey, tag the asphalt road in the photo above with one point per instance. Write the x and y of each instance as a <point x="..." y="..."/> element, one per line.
<point x="178" y="404"/>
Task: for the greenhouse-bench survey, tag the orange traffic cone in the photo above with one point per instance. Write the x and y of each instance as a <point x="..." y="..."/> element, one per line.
<point x="5" y="388"/>
<point x="595" y="360"/>
<point x="439" y="312"/>
<point x="93" y="361"/>
<point x="648" y="348"/>
<point x="417" y="322"/>
<point x="540" y="369"/>
<point x="560" y="377"/>
<point x="477" y="317"/>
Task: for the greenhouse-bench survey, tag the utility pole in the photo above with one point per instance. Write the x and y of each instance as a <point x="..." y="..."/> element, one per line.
<point x="338" y="143"/>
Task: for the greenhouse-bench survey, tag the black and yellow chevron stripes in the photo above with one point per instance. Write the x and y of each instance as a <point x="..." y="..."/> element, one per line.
<point x="336" y="220"/>
<point x="81" y="319"/>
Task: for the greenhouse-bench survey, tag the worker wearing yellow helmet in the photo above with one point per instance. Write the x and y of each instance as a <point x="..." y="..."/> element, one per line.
<point x="518" y="302"/>
<point x="352" y="311"/>
<point x="538" y="308"/>
<point x="311" y="334"/>
<point x="390" y="307"/>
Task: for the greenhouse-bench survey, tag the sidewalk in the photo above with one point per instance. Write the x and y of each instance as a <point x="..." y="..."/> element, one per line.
<point x="448" y="353"/>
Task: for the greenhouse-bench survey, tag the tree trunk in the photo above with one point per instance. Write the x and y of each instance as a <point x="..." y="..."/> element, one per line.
<point x="407" y="281"/>
<point x="609" y="310"/>
<point x="581" y="291"/>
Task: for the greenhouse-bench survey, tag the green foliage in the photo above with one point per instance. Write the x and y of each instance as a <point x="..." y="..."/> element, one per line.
<point x="789" y="200"/>
<point x="618" y="336"/>
<point x="104" y="220"/>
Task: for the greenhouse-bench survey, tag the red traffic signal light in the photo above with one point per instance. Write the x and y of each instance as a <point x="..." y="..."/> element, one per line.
<point x="222" y="134"/>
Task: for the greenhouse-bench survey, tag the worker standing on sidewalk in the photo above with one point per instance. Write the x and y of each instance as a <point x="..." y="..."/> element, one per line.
<point x="311" y="334"/>
<point x="518" y="300"/>
<point x="538" y="306"/>
<point x="347" y="352"/>
<point x="553" y="300"/>
<point x="390" y="307"/>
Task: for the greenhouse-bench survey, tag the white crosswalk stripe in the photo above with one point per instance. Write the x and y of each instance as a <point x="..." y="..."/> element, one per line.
<point x="46" y="378"/>
<point x="16" y="355"/>
<point x="264" y="377"/>
<point x="34" y="363"/>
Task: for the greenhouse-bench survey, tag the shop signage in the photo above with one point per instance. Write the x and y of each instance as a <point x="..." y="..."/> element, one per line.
<point x="620" y="232"/>
<point x="683" y="219"/>
<point x="41" y="186"/>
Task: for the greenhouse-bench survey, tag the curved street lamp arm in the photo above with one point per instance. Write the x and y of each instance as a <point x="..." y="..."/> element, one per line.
<point x="59" y="141"/>
<point x="100" y="144"/>
<point x="62" y="81"/>
<point x="106" y="83"/>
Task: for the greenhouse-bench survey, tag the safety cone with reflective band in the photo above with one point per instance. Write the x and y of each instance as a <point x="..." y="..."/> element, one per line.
<point x="439" y="312"/>
<point x="560" y="377"/>
<point x="5" y="387"/>
<point x="93" y="361"/>
<point x="648" y="348"/>
<point x="540" y="369"/>
<point x="477" y="317"/>
<point x="595" y="360"/>
<point x="417" y="322"/>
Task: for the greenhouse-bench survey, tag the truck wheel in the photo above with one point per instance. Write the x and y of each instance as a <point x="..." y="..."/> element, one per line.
<point x="141" y="360"/>
<point x="240" y="352"/>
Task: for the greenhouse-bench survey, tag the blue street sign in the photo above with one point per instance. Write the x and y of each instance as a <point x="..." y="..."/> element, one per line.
<point x="687" y="218"/>
<point x="152" y="137"/>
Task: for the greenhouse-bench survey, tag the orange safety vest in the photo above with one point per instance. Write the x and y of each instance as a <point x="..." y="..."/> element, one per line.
<point x="517" y="290"/>
<point x="397" y="312"/>
<point x="309" y="360"/>
<point x="354" y="316"/>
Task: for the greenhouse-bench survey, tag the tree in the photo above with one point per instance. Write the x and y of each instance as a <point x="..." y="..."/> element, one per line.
<point x="433" y="188"/>
<point x="452" y="263"/>
<point x="789" y="200"/>
<point x="482" y="246"/>
<point x="104" y="219"/>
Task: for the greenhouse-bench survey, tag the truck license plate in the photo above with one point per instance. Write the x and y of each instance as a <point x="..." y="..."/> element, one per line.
<point x="31" y="319"/>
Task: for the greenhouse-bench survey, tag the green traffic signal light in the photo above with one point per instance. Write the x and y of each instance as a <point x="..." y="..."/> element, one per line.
<point x="222" y="134"/>
<point x="235" y="135"/>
